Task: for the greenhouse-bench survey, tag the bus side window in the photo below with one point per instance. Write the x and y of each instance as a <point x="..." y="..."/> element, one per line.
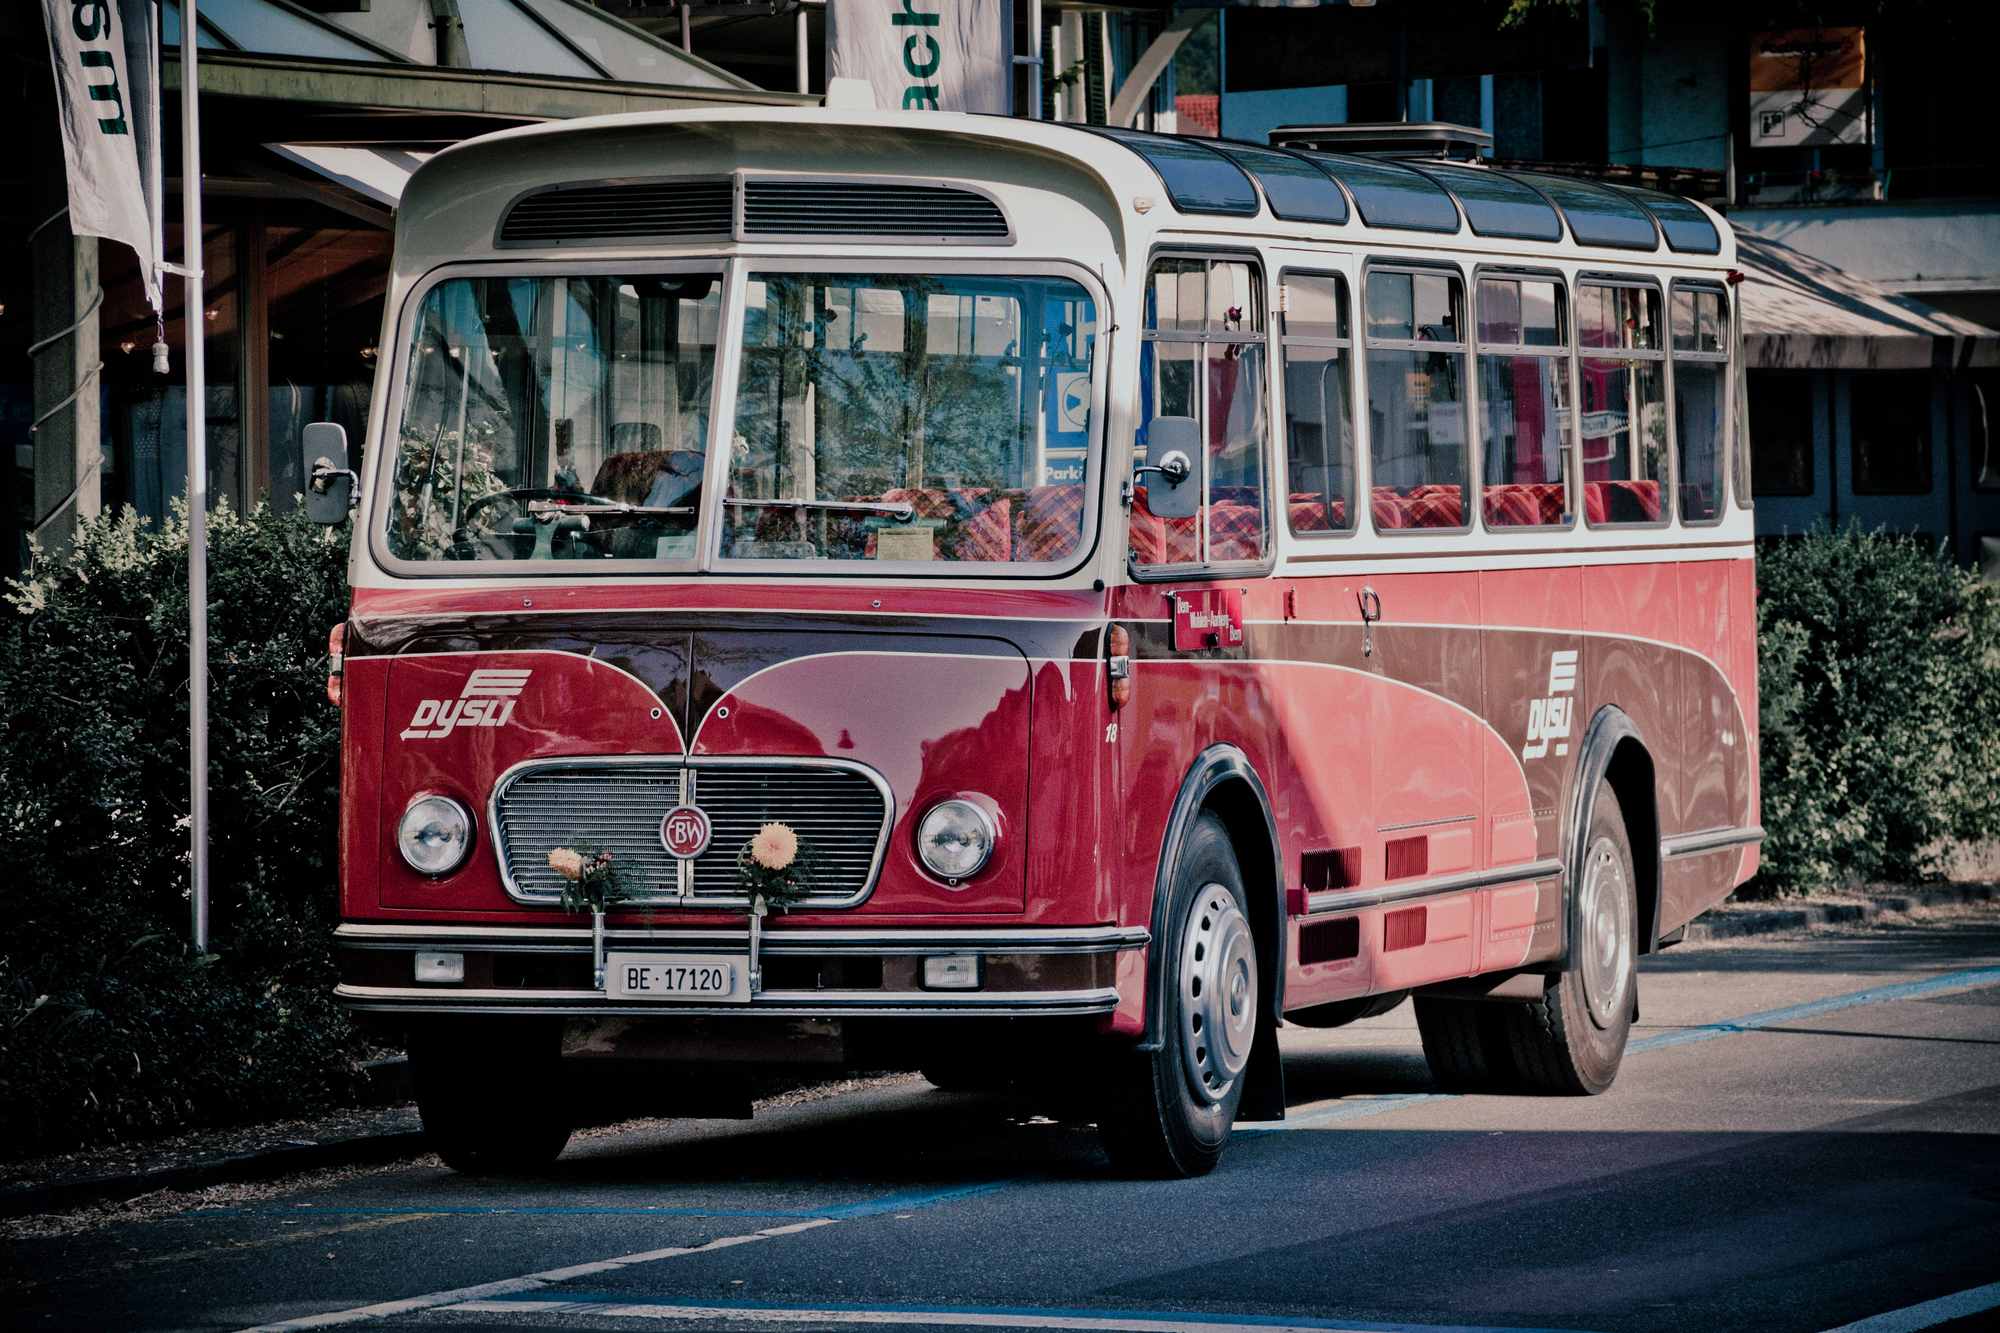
<point x="1524" y="398"/>
<point x="1624" y="392"/>
<point x="1202" y="358"/>
<point x="1700" y="320"/>
<point x="1417" y="439"/>
<point x="1319" y="437"/>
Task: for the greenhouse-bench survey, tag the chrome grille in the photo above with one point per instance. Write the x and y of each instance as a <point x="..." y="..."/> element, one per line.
<point x="842" y="812"/>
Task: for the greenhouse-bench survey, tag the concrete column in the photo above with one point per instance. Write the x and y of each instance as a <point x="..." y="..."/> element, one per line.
<point x="67" y="296"/>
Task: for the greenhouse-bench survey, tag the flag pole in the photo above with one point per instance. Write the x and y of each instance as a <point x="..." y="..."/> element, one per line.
<point x="194" y="320"/>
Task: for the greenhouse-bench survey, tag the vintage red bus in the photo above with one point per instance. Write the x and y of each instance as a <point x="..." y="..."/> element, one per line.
<point x="1133" y="592"/>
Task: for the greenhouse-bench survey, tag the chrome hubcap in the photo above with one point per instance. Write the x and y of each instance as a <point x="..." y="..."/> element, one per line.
<point x="1606" y="937"/>
<point x="1218" y="979"/>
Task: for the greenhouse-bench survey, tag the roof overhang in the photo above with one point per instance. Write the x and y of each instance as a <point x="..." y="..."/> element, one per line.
<point x="1801" y="313"/>
<point x="429" y="90"/>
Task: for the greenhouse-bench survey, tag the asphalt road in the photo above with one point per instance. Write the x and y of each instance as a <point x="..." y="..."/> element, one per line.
<point x="1794" y="1173"/>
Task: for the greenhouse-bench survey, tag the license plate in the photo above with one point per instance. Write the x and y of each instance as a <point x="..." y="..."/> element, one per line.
<point x="715" y="978"/>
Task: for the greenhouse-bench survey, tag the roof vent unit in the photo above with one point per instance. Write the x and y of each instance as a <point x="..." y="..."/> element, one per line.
<point x="856" y="208"/>
<point x="614" y="212"/>
<point x="600" y="213"/>
<point x="1420" y="138"/>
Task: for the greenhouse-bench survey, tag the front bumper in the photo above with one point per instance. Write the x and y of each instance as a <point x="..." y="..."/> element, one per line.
<point x="809" y="973"/>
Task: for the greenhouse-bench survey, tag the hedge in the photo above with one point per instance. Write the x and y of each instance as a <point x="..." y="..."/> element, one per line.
<point x="1880" y="705"/>
<point x="110" y="1025"/>
<point x="1880" y="745"/>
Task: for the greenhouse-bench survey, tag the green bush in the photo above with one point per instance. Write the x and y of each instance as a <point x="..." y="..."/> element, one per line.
<point x="110" y="1025"/>
<point x="1880" y="701"/>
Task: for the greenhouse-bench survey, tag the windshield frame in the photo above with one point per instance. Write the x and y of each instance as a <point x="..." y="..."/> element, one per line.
<point x="734" y="264"/>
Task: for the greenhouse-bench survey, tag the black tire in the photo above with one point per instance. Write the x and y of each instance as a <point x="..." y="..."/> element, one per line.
<point x="1167" y="1114"/>
<point x="1570" y="1042"/>
<point x="1466" y="1044"/>
<point x="490" y="1094"/>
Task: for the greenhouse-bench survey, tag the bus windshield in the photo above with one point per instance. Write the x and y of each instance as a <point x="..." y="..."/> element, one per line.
<point x="878" y="417"/>
<point x="910" y="418"/>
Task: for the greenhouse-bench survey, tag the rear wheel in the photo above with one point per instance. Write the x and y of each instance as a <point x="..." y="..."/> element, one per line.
<point x="1466" y="1044"/>
<point x="1168" y="1113"/>
<point x="1570" y="1041"/>
<point x="490" y="1095"/>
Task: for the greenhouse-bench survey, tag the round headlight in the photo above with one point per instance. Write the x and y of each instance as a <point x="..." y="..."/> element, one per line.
<point x="955" y="839"/>
<point x="436" y="835"/>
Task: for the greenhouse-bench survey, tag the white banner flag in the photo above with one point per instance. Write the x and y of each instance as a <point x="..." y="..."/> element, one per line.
<point x="101" y="109"/>
<point x="925" y="55"/>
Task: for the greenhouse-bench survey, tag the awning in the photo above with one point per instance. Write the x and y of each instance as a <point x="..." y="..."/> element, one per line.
<point x="1801" y="313"/>
<point x="374" y="173"/>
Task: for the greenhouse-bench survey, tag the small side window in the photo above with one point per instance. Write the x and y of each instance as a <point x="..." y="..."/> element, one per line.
<point x="1702" y="408"/>
<point x="1418" y="445"/>
<point x="1319" y="433"/>
<point x="1623" y="391"/>
<point x="1201" y="374"/>
<point x="1525" y="408"/>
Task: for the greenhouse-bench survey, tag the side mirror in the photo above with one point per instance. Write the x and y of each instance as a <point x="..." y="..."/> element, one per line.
<point x="329" y="485"/>
<point x="1174" y="487"/>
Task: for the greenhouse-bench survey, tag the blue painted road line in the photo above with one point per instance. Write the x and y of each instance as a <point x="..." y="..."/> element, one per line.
<point x="1930" y="1314"/>
<point x="623" y="1306"/>
<point x="1908" y="990"/>
<point x="1359" y="1107"/>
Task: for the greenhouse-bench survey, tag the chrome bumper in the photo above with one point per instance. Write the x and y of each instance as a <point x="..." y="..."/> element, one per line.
<point x="1015" y="960"/>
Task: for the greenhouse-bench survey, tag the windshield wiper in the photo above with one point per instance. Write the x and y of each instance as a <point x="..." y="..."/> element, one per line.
<point x="896" y="509"/>
<point x="548" y="509"/>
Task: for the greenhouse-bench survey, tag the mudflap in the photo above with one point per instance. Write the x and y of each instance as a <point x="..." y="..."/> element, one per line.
<point x="1263" y="1077"/>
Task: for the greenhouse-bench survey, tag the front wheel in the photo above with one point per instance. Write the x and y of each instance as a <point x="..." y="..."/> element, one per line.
<point x="1167" y="1113"/>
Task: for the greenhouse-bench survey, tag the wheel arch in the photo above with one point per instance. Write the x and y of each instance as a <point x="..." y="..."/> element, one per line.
<point x="1614" y="751"/>
<point x="1223" y="780"/>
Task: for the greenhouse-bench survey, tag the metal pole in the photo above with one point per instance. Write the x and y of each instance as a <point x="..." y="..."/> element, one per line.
<point x="803" y="51"/>
<point x="1035" y="70"/>
<point x="687" y="37"/>
<point x="194" y="319"/>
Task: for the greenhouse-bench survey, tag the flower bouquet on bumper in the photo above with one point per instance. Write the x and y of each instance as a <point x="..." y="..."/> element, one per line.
<point x="593" y="882"/>
<point x="777" y="868"/>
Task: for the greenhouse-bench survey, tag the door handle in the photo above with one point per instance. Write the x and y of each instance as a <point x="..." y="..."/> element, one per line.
<point x="1371" y="611"/>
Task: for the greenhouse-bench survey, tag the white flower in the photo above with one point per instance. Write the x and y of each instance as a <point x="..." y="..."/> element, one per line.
<point x="774" y="847"/>
<point x="566" y="863"/>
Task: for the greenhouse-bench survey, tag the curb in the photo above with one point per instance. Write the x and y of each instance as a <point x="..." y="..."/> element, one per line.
<point x="361" y="1150"/>
<point x="1709" y="927"/>
<point x="388" y="1085"/>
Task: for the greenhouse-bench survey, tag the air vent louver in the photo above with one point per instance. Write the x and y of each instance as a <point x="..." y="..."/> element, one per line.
<point x="832" y="208"/>
<point x="617" y="212"/>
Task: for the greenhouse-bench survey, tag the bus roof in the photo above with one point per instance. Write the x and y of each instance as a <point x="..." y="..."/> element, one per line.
<point x="677" y="177"/>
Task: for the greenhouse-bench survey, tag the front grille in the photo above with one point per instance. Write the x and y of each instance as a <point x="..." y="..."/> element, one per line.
<point x="841" y="812"/>
<point x="618" y="212"/>
<point x="833" y="208"/>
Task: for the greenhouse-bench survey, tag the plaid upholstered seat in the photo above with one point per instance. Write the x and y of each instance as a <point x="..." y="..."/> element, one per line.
<point x="1235" y="531"/>
<point x="1161" y="541"/>
<point x="1048" y="522"/>
<point x="1419" y="507"/>
<point x="1525" y="505"/>
<point x="1312" y="512"/>
<point x="977" y="521"/>
<point x="1621" y="501"/>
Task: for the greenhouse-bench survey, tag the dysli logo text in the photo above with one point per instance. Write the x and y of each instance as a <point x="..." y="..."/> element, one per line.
<point x="486" y="701"/>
